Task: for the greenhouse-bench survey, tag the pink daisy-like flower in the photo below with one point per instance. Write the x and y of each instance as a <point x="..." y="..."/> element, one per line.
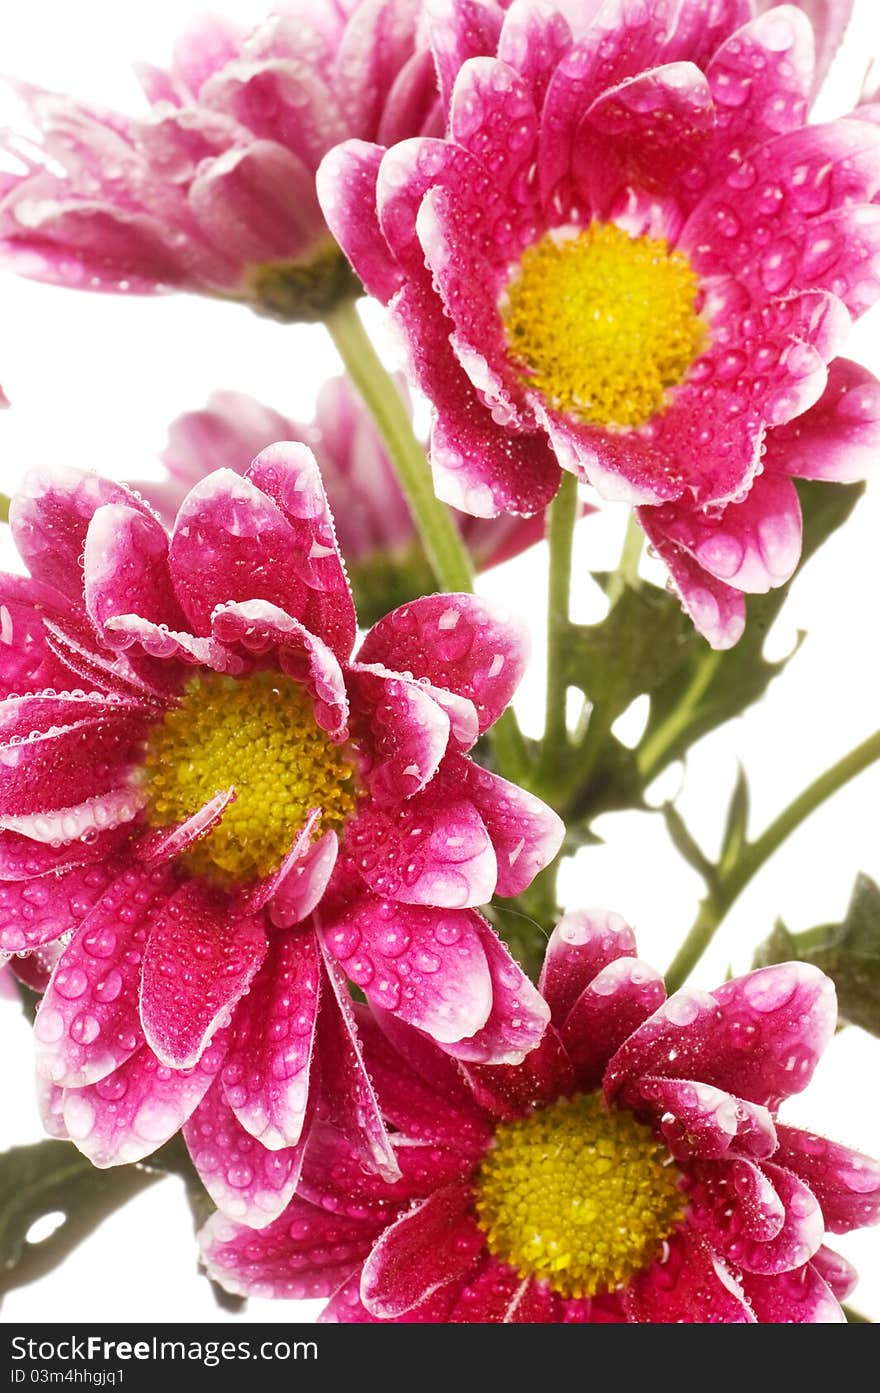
<point x="632" y="1168"/>
<point x="373" y="523"/>
<point x="217" y="806"/>
<point x="630" y="258"/>
<point x="214" y="191"/>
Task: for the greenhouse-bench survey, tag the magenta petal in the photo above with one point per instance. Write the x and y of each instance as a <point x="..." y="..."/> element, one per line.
<point x="655" y="124"/>
<point x="471" y="646"/>
<point x="618" y="999"/>
<point x="582" y="943"/>
<point x="163" y="845"/>
<point x="717" y="610"/>
<point x="259" y="628"/>
<point x="462" y="29"/>
<point x="21" y="858"/>
<point x="305" y="879"/>
<point x="798" y="1239"/>
<point x="436" y="1243"/>
<point x="157" y="642"/>
<point x="50" y="517"/>
<point x="335" y="1178"/>
<point x="840" y="1275"/>
<point x="758" y="1036"/>
<point x="36" y="911"/>
<point x="267" y="1074"/>
<point x="304" y="1253"/>
<point x="199" y="960"/>
<point x="533" y="39"/>
<point x="519" y="1014"/>
<point x="690" y="1285"/>
<point x="735" y="1205"/>
<point x="125" y="564"/>
<point x="801" y="1297"/>
<point x="348" y="1100"/>
<point x="754" y="545"/>
<point x="846" y="1183"/>
<point x="405" y="732"/>
<point x="346" y="182"/>
<point x="102" y="813"/>
<point x="498" y="1295"/>
<point x="65" y="766"/>
<point x="695" y="1119"/>
<point x="524" y="831"/>
<point x="432" y="850"/>
<point x="88" y="1020"/>
<point x="760" y="80"/>
<point x="245" y="1180"/>
<point x="513" y="1090"/>
<point x="131" y="1112"/>
<point x="426" y="965"/>
<point x="838" y="438"/>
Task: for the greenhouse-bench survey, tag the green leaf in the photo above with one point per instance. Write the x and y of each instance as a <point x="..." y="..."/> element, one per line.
<point x="4" y="508"/>
<point x="710" y="687"/>
<point x="613" y="786"/>
<point x="736" y="826"/>
<point x="640" y="642"/>
<point x="848" y="952"/>
<point x="684" y="843"/>
<point x="52" y="1177"/>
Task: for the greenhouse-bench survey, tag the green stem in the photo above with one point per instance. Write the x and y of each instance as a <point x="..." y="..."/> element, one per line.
<point x="651" y="754"/>
<point x="560" y="536"/>
<point x="439" y="536"/>
<point x="627" y="573"/>
<point x="731" y="883"/>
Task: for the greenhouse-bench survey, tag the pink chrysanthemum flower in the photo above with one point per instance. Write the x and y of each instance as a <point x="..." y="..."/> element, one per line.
<point x="214" y="191"/>
<point x="631" y="258"/>
<point x="373" y="523"/>
<point x="632" y="1168"/>
<point x="215" y="803"/>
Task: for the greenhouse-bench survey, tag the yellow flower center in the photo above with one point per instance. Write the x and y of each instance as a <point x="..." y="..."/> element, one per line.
<point x="603" y="324"/>
<point x="258" y="735"/>
<point x="578" y="1196"/>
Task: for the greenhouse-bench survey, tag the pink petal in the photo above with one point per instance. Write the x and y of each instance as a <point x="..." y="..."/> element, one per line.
<point x="839" y="437"/>
<point x="797" y="1240"/>
<point x="245" y="1180"/>
<point x="335" y="1178"/>
<point x="754" y="545"/>
<point x="696" y="1120"/>
<point x="758" y="1036"/>
<point x="404" y="732"/>
<point x="74" y="644"/>
<point x="131" y="1112"/>
<point x="519" y="1014"/>
<point x="163" y="844"/>
<point x="435" y="1244"/>
<point x="50" y="517"/>
<point x="346" y="182"/>
<point x="433" y="850"/>
<point x="199" y="960"/>
<point x="801" y="1297"/>
<point x="513" y="1090"/>
<point x="717" y="610"/>
<point x="88" y="1020"/>
<point x="618" y="999"/>
<point x="35" y="911"/>
<point x="24" y="859"/>
<point x="846" y="1183"/>
<point x="461" y="29"/>
<point x="734" y="1204"/>
<point x="829" y="20"/>
<point x="257" y="204"/>
<point x="760" y="80"/>
<point x="498" y="1295"/>
<point x="126" y="568"/>
<point x="474" y="648"/>
<point x="304" y="1253"/>
<point x="533" y="40"/>
<point x="524" y="831"/>
<point x="347" y="1308"/>
<point x="348" y="1100"/>
<point x="289" y="475"/>
<point x="840" y="1275"/>
<point x="26" y="662"/>
<point x="267" y="1074"/>
<point x="157" y="642"/>
<point x="260" y="628"/>
<point x="654" y="125"/>
<point x="94" y="815"/>
<point x="689" y="1285"/>
<point x="583" y="942"/>
<point x="66" y="765"/>
<point x="305" y="878"/>
<point x="426" y="965"/>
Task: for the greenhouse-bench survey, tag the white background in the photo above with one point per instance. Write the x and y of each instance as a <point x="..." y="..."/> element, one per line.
<point x="94" y="381"/>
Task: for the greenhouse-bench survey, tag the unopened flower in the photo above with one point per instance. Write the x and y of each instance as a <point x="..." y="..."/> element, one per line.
<point x="630" y="257"/>
<point x="214" y="191"/>
<point x="373" y="523"/>
<point x="632" y="1168"/>
<point x="216" y="805"/>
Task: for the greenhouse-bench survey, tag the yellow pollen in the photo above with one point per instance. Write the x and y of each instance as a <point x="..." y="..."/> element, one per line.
<point x="578" y="1196"/>
<point x="603" y="324"/>
<point x="258" y="735"/>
